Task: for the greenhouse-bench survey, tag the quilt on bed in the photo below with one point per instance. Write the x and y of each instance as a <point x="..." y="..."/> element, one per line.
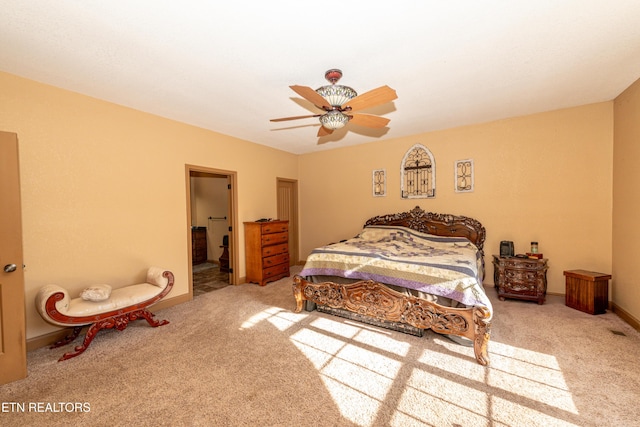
<point x="449" y="267"/>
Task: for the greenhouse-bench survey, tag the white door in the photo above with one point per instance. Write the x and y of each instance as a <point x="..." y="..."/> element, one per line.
<point x="13" y="346"/>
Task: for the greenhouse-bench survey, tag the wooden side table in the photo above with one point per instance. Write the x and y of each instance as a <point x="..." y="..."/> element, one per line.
<point x="520" y="278"/>
<point x="587" y="291"/>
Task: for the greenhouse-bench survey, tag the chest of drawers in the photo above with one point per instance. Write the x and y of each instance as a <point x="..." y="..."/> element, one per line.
<point x="520" y="278"/>
<point x="198" y="245"/>
<point x="266" y="251"/>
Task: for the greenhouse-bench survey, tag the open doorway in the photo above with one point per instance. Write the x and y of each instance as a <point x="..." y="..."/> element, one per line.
<point x="211" y="216"/>
<point x="287" y="195"/>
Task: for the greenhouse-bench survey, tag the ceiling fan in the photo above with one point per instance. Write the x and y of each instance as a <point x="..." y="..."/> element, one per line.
<point x="340" y="104"/>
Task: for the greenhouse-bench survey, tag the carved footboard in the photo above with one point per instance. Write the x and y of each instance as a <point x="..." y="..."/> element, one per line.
<point x="375" y="300"/>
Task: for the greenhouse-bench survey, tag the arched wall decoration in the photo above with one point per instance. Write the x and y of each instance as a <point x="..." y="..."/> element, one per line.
<point x="418" y="174"/>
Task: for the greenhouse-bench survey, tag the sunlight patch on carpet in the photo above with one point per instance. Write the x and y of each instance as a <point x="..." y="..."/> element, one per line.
<point x="281" y="319"/>
<point x="354" y="405"/>
<point x="383" y="342"/>
<point x="534" y="375"/>
<point x="427" y="397"/>
<point x="353" y="363"/>
<point x="360" y="365"/>
<point x="503" y="411"/>
<point x="334" y="327"/>
<point x="455" y="359"/>
<point x="318" y="341"/>
<point x="376" y="337"/>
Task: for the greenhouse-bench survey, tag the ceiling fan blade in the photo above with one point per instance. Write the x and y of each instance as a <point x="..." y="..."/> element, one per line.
<point x="374" y="97"/>
<point x="294" y="118"/>
<point x="312" y="96"/>
<point x="323" y="131"/>
<point x="368" y="120"/>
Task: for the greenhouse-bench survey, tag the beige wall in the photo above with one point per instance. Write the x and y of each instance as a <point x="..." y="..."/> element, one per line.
<point x="545" y="177"/>
<point x="103" y="187"/>
<point x="104" y="191"/>
<point x="626" y="201"/>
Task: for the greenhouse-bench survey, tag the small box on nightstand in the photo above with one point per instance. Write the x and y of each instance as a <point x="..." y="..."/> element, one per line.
<point x="587" y="291"/>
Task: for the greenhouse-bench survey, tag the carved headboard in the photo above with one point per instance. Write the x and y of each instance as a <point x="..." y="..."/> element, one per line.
<point x="434" y="223"/>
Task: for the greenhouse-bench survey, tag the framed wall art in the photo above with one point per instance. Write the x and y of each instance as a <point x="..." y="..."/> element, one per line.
<point x="464" y="176"/>
<point x="379" y="180"/>
<point x="418" y="174"/>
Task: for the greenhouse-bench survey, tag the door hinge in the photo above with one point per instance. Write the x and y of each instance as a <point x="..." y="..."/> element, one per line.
<point x="228" y="186"/>
<point x="230" y="228"/>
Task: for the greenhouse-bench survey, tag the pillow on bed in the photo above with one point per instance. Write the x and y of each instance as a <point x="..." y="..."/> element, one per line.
<point x="96" y="293"/>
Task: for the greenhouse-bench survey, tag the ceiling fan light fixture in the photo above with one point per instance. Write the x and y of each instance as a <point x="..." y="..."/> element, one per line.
<point x="336" y="95"/>
<point x="334" y="119"/>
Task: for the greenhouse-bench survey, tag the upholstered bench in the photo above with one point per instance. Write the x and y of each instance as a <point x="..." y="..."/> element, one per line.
<point x="102" y="308"/>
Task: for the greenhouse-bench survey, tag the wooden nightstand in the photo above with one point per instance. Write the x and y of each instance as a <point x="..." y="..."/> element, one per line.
<point x="520" y="278"/>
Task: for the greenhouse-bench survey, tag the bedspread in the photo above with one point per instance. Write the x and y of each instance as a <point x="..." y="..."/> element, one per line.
<point x="449" y="267"/>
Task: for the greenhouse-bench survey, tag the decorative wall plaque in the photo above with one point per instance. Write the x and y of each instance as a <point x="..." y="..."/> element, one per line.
<point x="379" y="181"/>
<point x="464" y="176"/>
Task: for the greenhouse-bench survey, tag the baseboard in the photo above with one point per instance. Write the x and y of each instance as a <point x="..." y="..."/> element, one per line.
<point x="166" y="303"/>
<point x="624" y="315"/>
<point x="47" y="339"/>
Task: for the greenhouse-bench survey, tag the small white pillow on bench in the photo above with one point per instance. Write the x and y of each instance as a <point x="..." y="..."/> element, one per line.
<point x="96" y="293"/>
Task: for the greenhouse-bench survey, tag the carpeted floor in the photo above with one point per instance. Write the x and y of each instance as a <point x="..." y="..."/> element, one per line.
<point x="240" y="356"/>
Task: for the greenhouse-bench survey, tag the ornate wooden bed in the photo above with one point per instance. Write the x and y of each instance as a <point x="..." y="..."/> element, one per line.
<point x="375" y="302"/>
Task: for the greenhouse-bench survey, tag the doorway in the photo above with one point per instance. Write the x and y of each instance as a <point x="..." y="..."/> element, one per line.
<point x="211" y="219"/>
<point x="288" y="210"/>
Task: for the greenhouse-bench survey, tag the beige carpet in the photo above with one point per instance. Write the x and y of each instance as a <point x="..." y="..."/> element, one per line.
<point x="239" y="356"/>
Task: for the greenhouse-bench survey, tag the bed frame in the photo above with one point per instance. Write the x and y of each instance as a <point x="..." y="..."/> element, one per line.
<point x="374" y="300"/>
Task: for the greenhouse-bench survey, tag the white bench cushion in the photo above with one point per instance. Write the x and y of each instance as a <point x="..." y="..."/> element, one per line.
<point x="122" y="297"/>
<point x="96" y="293"/>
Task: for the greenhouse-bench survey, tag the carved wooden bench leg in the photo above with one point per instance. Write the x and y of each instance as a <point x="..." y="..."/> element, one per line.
<point x="150" y="318"/>
<point x="90" y="335"/>
<point x="118" y="322"/>
<point x="69" y="338"/>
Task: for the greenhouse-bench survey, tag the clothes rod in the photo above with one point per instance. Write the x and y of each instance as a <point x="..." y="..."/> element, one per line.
<point x="220" y="218"/>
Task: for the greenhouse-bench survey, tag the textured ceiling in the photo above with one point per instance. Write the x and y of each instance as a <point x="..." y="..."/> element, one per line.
<point x="227" y="65"/>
